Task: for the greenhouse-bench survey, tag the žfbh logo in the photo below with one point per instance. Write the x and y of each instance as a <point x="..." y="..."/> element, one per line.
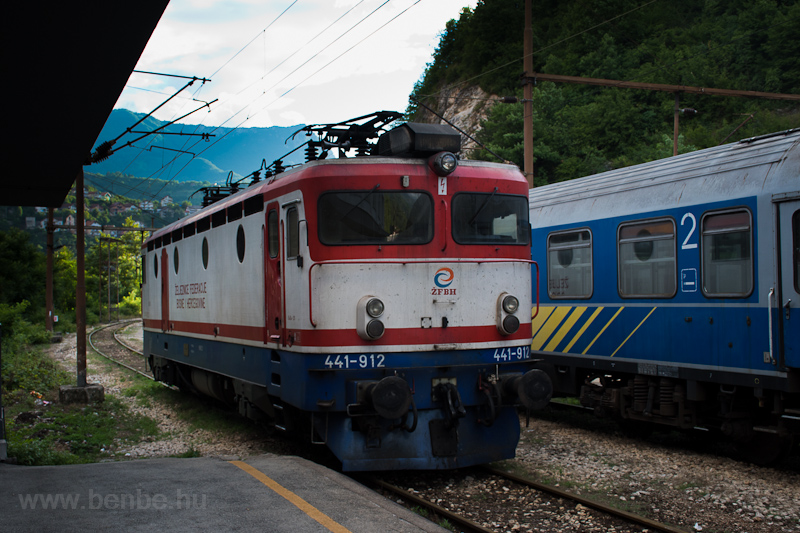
<point x="443" y="277"/>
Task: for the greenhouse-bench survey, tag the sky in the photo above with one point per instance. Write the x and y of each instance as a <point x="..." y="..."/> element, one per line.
<point x="287" y="62"/>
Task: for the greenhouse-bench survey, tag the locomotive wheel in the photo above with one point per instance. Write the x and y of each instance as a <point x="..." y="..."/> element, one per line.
<point x="764" y="448"/>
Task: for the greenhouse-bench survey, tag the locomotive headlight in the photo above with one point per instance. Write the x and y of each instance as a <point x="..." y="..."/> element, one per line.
<point x="510" y="304"/>
<point x="375" y="308"/>
<point x="507" y="306"/>
<point x="368" y="324"/>
<point x="443" y="163"/>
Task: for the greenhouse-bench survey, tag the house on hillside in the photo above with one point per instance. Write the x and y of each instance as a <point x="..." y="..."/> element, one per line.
<point x="167" y="200"/>
<point x="146" y="205"/>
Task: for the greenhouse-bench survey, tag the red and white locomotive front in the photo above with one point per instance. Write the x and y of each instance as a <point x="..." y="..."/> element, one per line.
<point x="385" y="297"/>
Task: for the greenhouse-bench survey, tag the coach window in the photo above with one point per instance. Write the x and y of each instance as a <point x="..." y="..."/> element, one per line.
<point x="273" y="234"/>
<point x="796" y="248"/>
<point x="204" y="253"/>
<point x="569" y="264"/>
<point x="727" y="262"/>
<point x="292" y="233"/>
<point x="240" y="243"/>
<point x="646" y="259"/>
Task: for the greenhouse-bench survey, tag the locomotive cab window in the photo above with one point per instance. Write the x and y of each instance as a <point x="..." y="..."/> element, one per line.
<point x="569" y="264"/>
<point x="490" y="218"/>
<point x="375" y="217"/>
<point x="646" y="259"/>
<point x="727" y="261"/>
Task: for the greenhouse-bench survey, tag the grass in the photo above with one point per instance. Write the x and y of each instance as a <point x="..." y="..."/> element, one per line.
<point x="56" y="433"/>
<point x="42" y="431"/>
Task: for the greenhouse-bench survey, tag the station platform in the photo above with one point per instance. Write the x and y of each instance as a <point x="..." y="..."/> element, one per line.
<point x="261" y="493"/>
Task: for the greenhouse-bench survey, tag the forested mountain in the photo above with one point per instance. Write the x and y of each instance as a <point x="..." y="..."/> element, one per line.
<point x="579" y="130"/>
<point x="210" y="159"/>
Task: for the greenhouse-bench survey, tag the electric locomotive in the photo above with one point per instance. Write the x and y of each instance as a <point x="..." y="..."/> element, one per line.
<point x="670" y="291"/>
<point x="378" y="303"/>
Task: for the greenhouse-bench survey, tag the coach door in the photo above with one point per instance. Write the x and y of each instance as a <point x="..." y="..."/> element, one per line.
<point x="273" y="282"/>
<point x="164" y="291"/>
<point x="789" y="294"/>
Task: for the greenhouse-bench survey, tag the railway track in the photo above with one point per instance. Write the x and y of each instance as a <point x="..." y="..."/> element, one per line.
<point x="522" y="505"/>
<point x="106" y="342"/>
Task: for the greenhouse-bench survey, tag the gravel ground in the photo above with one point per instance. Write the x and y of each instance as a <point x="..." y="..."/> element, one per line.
<point x="672" y="484"/>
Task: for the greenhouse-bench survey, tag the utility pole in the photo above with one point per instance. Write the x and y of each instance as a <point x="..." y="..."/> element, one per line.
<point x="48" y="320"/>
<point x="527" y="101"/>
<point x="80" y="289"/>
<point x="677" y="90"/>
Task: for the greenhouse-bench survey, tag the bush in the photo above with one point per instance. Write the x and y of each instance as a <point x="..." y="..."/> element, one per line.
<point x="131" y="304"/>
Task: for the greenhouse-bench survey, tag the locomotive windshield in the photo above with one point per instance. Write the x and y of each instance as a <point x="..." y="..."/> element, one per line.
<point x="375" y="217"/>
<point x="490" y="218"/>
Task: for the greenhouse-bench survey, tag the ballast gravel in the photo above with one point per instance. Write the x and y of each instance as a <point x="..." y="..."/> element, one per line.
<point x="687" y="487"/>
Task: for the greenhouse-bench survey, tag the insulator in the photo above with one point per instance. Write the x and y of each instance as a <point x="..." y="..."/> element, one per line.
<point x="311" y="152"/>
<point x="103" y="152"/>
<point x="278" y="166"/>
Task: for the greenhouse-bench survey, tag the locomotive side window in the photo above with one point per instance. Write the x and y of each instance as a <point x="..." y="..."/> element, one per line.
<point x="204" y="253"/>
<point x="646" y="259"/>
<point x="375" y="217"/>
<point x="490" y="218"/>
<point x="292" y="233"/>
<point x="175" y="259"/>
<point x="240" y="243"/>
<point x="727" y="261"/>
<point x="569" y="264"/>
<point x="155" y="266"/>
<point x="273" y="235"/>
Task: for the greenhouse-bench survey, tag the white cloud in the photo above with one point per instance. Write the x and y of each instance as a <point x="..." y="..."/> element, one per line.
<point x="205" y="38"/>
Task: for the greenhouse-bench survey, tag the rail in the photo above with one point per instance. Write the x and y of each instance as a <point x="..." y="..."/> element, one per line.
<point x="409" y="262"/>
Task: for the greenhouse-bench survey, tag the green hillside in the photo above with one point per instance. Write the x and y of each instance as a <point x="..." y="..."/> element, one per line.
<point x="581" y="130"/>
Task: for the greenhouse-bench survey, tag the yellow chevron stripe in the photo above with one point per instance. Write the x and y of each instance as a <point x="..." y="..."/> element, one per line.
<point x="540" y="319"/>
<point x="583" y="328"/>
<point x="602" y="330"/>
<point x="562" y="332"/>
<point x="547" y="329"/>
<point x="634" y="331"/>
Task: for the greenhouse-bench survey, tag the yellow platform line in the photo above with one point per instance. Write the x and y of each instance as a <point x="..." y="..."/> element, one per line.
<point x="563" y="330"/>
<point x="293" y="498"/>
<point x="583" y="328"/>
<point x="634" y="331"/>
<point x="549" y="327"/>
<point x="602" y="330"/>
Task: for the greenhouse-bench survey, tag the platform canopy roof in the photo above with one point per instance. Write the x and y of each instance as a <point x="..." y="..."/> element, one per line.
<point x="64" y="67"/>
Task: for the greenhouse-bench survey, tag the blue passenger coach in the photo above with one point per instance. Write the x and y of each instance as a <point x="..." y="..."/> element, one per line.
<point x="670" y="291"/>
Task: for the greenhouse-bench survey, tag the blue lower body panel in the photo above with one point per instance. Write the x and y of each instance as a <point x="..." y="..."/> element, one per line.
<point x="474" y="443"/>
<point x="327" y="387"/>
